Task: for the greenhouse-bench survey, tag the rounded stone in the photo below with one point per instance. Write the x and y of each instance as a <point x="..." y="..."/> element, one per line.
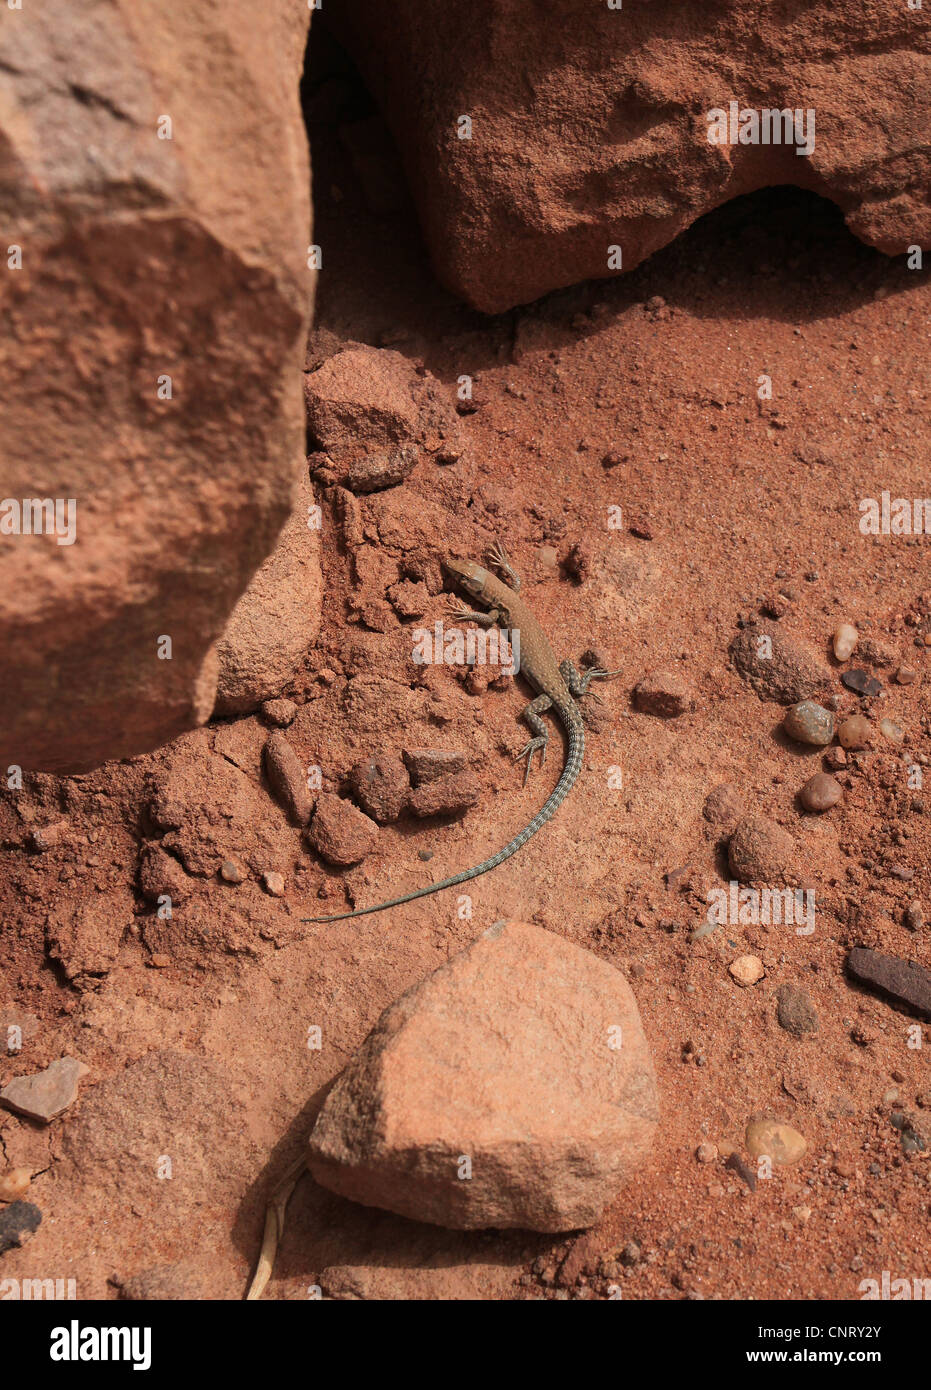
<point x="809" y="722"/>
<point x="746" y="970"/>
<point x="891" y="731"/>
<point x="772" y="1139"/>
<point x="760" y="851"/>
<point x="855" y="732"/>
<point x="845" y="639"/>
<point x="821" y="792"/>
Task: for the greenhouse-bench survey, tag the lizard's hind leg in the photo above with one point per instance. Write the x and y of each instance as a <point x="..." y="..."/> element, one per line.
<point x="578" y="684"/>
<point x="542" y="735"/>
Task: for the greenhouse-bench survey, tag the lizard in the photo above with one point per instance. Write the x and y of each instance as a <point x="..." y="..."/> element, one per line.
<point x="559" y="686"/>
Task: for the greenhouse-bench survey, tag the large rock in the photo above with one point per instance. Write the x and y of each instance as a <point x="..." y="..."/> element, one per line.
<point x="512" y="1087"/>
<point x="589" y="126"/>
<point x="143" y="259"/>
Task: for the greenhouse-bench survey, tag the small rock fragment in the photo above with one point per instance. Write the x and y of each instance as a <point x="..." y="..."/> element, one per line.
<point x="663" y="694"/>
<point x="914" y="916"/>
<point x="47" y="1093"/>
<point x="820" y="792"/>
<point x="780" y="1142"/>
<point x="281" y="713"/>
<point x="891" y="732"/>
<point x="845" y="639"/>
<point x="45" y="837"/>
<point x="855" y="732"/>
<point x="808" y="722"/>
<point x="430" y="764"/>
<point x="162" y="875"/>
<point x="706" y="1153"/>
<point x="341" y="833"/>
<point x="18" y="1222"/>
<point x="287" y="779"/>
<point x="381" y="786"/>
<point x="746" y="970"/>
<point x="861" y="682"/>
<point x="273" y="883"/>
<point x="836" y="758"/>
<point x="905" y="675"/>
<point x="14" y="1183"/>
<point x="231" y="871"/>
<point x="904" y="981"/>
<point x="450" y="796"/>
<point x="795" y="1011"/>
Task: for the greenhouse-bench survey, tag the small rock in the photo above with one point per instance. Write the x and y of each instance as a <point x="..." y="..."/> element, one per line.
<point x="777" y="667"/>
<point x="450" y="796"/>
<point x="861" y="682"/>
<point x="45" y="837"/>
<point x="808" y="722"/>
<point x="820" y="792"/>
<point x="273" y="883"/>
<point x="430" y="764"/>
<point x="18" y="1222"/>
<point x="845" y="639"/>
<point x="630" y="1255"/>
<point x="836" y="758"/>
<point x="162" y="875"/>
<point x="14" y="1183"/>
<point x="664" y="695"/>
<point x="902" y="980"/>
<point x="381" y="786"/>
<point x="746" y="970"/>
<point x="159" y="961"/>
<point x="706" y="1153"/>
<point x="795" y="1011"/>
<point x="288" y="779"/>
<point x="855" y="732"/>
<point x="503" y="1055"/>
<point x="891" y="732"/>
<point x="914" y="916"/>
<point x="780" y="1142"/>
<point x="47" y="1093"/>
<point x="905" y="675"/>
<point x="231" y="871"/>
<point x="760" y="851"/>
<point x="723" y="807"/>
<point x="340" y="833"/>
<point x="281" y="713"/>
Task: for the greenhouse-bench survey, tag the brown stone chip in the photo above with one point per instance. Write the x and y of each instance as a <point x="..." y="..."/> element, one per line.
<point x="904" y="981"/>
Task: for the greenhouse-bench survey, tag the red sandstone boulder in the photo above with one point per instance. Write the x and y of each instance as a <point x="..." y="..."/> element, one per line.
<point x="512" y="1087"/>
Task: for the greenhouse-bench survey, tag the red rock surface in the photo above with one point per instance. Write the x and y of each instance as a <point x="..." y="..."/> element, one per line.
<point x="590" y="131"/>
<point x="144" y="258"/>
<point x="523" y="1058"/>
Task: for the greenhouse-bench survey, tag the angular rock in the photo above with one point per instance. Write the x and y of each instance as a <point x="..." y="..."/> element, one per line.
<point x="592" y="132"/>
<point x="664" y="694"/>
<point x="905" y="981"/>
<point x="522" y="1062"/>
<point x="760" y="851"/>
<point x="795" y="1011"/>
<point x="449" y="796"/>
<point x="160" y="875"/>
<point x="723" y="807"/>
<point x="47" y="1093"/>
<point x="381" y="786"/>
<point x="277" y="619"/>
<point x="339" y="832"/>
<point x="371" y="413"/>
<point x="288" y="779"/>
<point x="778" y="667"/>
<point x="163" y="263"/>
<point x="430" y="764"/>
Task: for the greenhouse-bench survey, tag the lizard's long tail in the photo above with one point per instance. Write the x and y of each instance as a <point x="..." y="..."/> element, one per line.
<point x="570" y="772"/>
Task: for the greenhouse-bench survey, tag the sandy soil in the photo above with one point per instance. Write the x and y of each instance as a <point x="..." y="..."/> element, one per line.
<point x="742" y="506"/>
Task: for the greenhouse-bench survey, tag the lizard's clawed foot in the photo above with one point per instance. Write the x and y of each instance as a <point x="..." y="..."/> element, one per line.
<point x="457" y="609"/>
<point x="528" y="751"/>
<point x="497" y="556"/>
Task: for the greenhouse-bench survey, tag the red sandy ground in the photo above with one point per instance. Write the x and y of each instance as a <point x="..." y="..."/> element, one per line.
<point x="743" y="499"/>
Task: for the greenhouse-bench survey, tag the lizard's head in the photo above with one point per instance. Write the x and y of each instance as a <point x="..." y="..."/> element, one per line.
<point x="470" y="575"/>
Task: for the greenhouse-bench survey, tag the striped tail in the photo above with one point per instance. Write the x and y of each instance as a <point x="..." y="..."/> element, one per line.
<point x="570" y="772"/>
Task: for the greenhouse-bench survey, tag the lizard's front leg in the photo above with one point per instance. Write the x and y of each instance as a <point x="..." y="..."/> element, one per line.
<point x="532" y="715"/>
<point x="498" y="556"/>
<point x="578" y="684"/>
<point x="458" y="610"/>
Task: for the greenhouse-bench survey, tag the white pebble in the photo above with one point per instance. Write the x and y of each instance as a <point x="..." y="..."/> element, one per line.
<point x="846" y="638"/>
